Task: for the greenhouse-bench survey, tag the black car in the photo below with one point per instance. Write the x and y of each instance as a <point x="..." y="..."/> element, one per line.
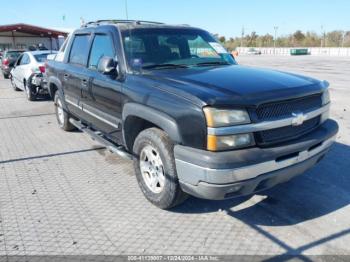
<point x="194" y="121"/>
<point x="8" y="60"/>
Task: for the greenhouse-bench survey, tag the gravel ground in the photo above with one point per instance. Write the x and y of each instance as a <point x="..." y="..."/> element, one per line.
<point x="60" y="193"/>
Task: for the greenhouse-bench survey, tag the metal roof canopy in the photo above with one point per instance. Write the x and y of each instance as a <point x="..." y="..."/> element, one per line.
<point x="31" y="29"/>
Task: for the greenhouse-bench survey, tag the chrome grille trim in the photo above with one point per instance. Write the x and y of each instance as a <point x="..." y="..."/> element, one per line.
<point x="265" y="125"/>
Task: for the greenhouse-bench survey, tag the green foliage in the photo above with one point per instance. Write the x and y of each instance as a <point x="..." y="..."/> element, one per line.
<point x="222" y="39"/>
<point x="297" y="39"/>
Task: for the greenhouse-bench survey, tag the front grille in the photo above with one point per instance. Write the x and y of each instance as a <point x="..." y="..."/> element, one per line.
<point x="285" y="109"/>
<point x="286" y="133"/>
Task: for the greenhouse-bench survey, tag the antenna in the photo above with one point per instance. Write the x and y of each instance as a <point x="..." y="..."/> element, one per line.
<point x="126" y="9"/>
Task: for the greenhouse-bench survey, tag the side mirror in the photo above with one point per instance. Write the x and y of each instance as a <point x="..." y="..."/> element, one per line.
<point x="108" y="66"/>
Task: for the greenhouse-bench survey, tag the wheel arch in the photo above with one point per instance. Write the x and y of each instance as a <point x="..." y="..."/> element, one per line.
<point x="54" y="85"/>
<point x="137" y="117"/>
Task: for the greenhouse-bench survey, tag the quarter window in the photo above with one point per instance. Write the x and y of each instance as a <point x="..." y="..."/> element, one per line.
<point x="102" y="46"/>
<point x="80" y="50"/>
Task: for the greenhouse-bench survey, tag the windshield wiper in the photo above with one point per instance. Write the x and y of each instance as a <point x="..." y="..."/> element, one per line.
<point x="212" y="63"/>
<point x="156" y="66"/>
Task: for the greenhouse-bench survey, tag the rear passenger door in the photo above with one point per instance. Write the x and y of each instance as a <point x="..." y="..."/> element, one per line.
<point x="76" y="76"/>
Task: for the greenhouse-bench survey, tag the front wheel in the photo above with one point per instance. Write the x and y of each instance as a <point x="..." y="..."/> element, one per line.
<point x="13" y="84"/>
<point x="155" y="169"/>
<point x="61" y="115"/>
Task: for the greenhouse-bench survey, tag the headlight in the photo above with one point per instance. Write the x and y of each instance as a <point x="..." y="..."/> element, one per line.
<point x="219" y="143"/>
<point x="222" y="117"/>
<point x="326" y="97"/>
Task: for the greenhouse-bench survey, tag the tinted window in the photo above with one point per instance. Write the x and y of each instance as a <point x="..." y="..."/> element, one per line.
<point x="41" y="58"/>
<point x="80" y="49"/>
<point x="13" y="54"/>
<point x="102" y="46"/>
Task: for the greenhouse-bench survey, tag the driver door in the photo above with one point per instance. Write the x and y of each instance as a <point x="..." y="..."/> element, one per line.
<point x="102" y="99"/>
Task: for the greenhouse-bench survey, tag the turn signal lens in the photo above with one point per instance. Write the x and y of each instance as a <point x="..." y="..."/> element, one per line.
<point x="326" y="97"/>
<point x="220" y="143"/>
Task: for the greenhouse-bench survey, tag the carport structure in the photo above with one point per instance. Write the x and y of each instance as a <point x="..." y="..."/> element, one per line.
<point x="24" y="35"/>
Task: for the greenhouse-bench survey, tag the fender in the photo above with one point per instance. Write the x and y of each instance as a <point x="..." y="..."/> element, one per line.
<point x="164" y="121"/>
<point x="56" y="82"/>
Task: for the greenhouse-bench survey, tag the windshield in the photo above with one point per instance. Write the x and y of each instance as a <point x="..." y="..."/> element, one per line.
<point x="161" y="48"/>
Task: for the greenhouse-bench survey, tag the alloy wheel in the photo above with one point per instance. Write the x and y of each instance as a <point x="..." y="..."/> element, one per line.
<point x="60" y="112"/>
<point x="152" y="169"/>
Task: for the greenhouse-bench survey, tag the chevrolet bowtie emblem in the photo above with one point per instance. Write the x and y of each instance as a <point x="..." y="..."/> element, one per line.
<point x="298" y="119"/>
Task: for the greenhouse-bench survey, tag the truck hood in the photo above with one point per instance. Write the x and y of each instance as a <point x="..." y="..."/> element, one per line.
<point x="235" y="85"/>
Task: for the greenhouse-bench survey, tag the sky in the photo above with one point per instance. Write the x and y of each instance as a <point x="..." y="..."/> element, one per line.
<point x="225" y="17"/>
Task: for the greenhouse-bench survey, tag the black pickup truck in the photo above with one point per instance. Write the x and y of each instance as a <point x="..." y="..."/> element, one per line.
<point x="171" y="98"/>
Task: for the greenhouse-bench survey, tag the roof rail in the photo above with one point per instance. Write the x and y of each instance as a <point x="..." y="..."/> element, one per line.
<point x="116" y="21"/>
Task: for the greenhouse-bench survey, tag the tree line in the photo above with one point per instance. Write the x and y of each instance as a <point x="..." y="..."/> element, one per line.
<point x="334" y="38"/>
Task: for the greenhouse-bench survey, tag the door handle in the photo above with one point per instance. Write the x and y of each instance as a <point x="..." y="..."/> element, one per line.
<point x="84" y="82"/>
<point x="66" y="76"/>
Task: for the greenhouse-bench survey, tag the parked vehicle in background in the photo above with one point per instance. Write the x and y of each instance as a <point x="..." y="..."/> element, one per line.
<point x="253" y="51"/>
<point x="28" y="73"/>
<point x="299" y="51"/>
<point x="194" y="121"/>
<point x="8" y="60"/>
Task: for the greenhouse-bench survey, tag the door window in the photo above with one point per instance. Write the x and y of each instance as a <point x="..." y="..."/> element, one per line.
<point x="80" y="49"/>
<point x="18" y="62"/>
<point x="25" y="60"/>
<point x="102" y="46"/>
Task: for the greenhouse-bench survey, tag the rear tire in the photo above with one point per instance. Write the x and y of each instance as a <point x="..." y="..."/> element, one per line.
<point x="31" y="96"/>
<point x="155" y="169"/>
<point x="61" y="115"/>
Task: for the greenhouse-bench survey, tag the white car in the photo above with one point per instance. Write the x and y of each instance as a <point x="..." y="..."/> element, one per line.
<point x="253" y="51"/>
<point x="28" y="73"/>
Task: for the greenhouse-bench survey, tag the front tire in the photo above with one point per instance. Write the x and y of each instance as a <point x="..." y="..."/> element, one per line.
<point x="13" y="84"/>
<point x="155" y="169"/>
<point x="61" y="115"/>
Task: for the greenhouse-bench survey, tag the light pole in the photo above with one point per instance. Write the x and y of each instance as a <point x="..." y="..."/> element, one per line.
<point x="275" y="39"/>
<point x="242" y="36"/>
<point x="323" y="37"/>
<point x="342" y="42"/>
<point x="126" y="10"/>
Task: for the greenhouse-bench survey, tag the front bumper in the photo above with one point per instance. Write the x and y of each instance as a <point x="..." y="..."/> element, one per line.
<point x="223" y="175"/>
